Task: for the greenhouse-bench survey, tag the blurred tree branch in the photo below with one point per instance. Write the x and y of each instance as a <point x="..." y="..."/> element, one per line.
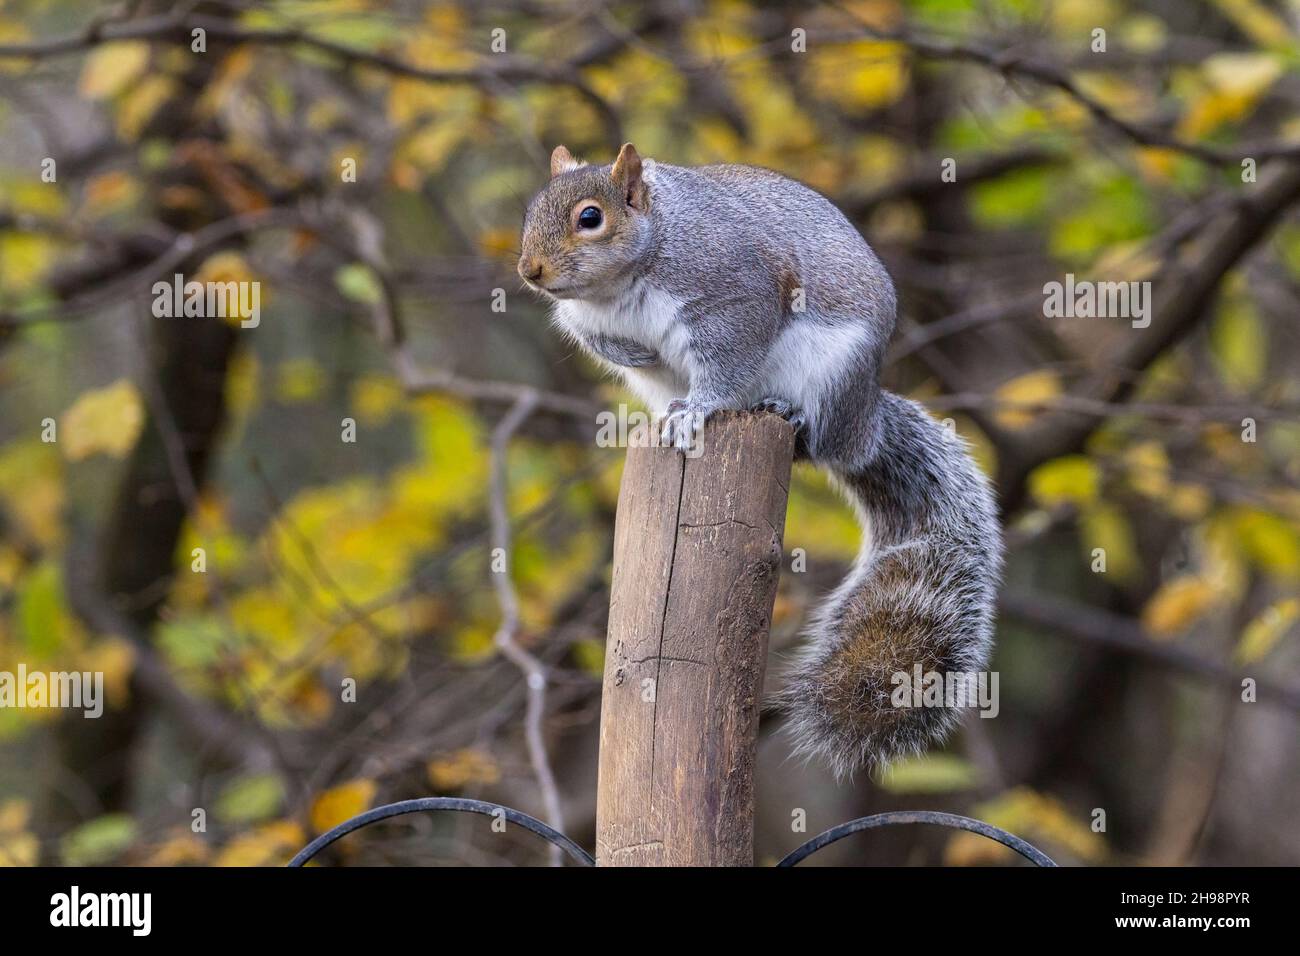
<point x="178" y="26"/>
<point x="1058" y="617"/>
<point x="1182" y="294"/>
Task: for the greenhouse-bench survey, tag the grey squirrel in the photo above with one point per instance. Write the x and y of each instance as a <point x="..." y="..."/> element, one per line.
<point x="733" y="287"/>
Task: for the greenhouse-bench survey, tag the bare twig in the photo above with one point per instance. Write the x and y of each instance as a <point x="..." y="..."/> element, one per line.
<point x="1096" y="408"/>
<point x="534" y="671"/>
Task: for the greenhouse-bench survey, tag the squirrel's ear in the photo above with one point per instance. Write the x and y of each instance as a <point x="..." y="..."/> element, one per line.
<point x="626" y="172"/>
<point x="562" y="161"/>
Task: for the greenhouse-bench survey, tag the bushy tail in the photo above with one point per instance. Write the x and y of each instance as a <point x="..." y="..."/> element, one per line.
<point x="920" y="595"/>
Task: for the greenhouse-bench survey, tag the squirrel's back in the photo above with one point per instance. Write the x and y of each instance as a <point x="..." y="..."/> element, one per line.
<point x="718" y="222"/>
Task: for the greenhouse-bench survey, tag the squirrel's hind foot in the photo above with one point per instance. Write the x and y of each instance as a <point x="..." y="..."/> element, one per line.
<point x="798" y="421"/>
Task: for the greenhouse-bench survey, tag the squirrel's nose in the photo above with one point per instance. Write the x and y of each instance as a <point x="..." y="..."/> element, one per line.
<point x="530" y="268"/>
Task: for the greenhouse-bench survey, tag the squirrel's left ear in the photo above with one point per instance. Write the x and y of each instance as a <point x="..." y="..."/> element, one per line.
<point x="562" y="161"/>
<point x="626" y="172"/>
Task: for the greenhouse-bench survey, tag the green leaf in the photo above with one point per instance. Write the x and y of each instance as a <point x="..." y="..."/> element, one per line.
<point x="359" y="283"/>
<point x="1239" y="345"/>
<point x="250" y="799"/>
<point x="1013" y="199"/>
<point x="937" y="773"/>
<point x="99" y="841"/>
<point x="40" y="610"/>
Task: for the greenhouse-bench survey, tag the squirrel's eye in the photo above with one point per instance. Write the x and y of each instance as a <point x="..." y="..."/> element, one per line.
<point x="590" y="218"/>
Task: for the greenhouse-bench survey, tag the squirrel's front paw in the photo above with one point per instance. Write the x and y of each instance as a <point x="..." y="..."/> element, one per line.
<point x="681" y="425"/>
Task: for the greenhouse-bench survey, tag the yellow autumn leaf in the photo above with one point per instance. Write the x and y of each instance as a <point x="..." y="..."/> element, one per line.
<point x="375" y="398"/>
<point x="114" y="657"/>
<point x="11" y="31"/>
<point x="109" y="191"/>
<point x="183" y="848"/>
<point x="19" y="849"/>
<point x="140" y="104"/>
<point x="462" y="768"/>
<point x="1254" y="19"/>
<point x="1177" y="605"/>
<point x="473" y="643"/>
<point x="226" y="267"/>
<point x="1234" y="84"/>
<point x="104" y="420"/>
<point x="1223" y="560"/>
<point x="1156" y="164"/>
<point x="1245" y="74"/>
<point x="429" y="147"/>
<point x="298" y="380"/>
<point x="1072" y="479"/>
<point x="1106" y="527"/>
<point x="24" y="259"/>
<point x="1262" y="634"/>
<point x="341" y="803"/>
<point x="1039" y="818"/>
<point x="111" y="67"/>
<point x="1128" y="261"/>
<point x="1017" y="398"/>
<point x="33" y="196"/>
<point x="1269" y="541"/>
<point x="272" y="844"/>
<point x="14" y="816"/>
<point x="1239" y="345"/>
<point x="17" y="846"/>
<point x="866" y="74"/>
<point x="1147" y="467"/>
<point x="31" y="487"/>
<point x="1188" y="500"/>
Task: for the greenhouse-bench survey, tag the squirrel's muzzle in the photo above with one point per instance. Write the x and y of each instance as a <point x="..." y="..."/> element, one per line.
<point x="531" y="268"/>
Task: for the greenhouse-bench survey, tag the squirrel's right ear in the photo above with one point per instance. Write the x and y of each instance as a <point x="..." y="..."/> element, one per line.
<point x="626" y="172"/>
<point x="562" y="161"/>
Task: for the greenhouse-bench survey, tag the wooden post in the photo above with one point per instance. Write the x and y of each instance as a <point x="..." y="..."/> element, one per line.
<point x="697" y="552"/>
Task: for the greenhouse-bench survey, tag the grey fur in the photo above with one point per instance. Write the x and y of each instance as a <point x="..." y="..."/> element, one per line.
<point x="703" y="268"/>
<point x="620" y="351"/>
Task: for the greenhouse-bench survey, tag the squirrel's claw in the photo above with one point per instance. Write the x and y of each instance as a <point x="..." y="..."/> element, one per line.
<point x="779" y="406"/>
<point x="681" y="425"/>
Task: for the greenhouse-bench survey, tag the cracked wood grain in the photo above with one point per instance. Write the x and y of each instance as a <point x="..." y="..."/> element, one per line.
<point x="697" y="553"/>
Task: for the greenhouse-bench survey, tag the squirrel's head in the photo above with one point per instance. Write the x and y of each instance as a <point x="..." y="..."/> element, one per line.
<point x="586" y="227"/>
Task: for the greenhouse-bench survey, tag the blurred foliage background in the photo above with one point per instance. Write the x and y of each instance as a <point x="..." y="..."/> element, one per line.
<point x="294" y="627"/>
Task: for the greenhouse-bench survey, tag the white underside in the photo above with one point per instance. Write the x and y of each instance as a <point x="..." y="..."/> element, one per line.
<point x="803" y="365"/>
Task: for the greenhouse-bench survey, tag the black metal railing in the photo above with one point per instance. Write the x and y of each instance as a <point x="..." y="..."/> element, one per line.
<point x="583" y="858"/>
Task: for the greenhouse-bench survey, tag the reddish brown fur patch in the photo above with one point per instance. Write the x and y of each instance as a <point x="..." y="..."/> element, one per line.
<point x="880" y="639"/>
<point x="787" y="283"/>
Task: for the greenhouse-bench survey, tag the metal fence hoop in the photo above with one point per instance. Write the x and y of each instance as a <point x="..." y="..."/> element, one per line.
<point x="461" y="804"/>
<point x="902" y="817"/>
